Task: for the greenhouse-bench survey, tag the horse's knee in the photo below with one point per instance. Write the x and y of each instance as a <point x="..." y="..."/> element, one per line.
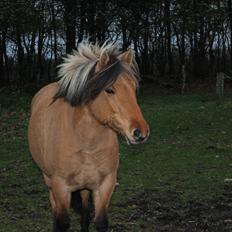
<point x="61" y="221"/>
<point x="101" y="222"/>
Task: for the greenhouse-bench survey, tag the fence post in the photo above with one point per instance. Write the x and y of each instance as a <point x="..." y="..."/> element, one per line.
<point x="220" y="85"/>
<point x="183" y="79"/>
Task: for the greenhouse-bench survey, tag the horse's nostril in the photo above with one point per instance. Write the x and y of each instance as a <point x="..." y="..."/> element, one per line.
<point x="137" y="133"/>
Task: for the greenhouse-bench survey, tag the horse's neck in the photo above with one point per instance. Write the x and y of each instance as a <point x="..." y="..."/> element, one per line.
<point x="89" y="131"/>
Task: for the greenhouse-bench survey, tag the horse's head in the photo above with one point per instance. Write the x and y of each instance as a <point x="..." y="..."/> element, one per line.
<point x="116" y="106"/>
<point x="105" y="81"/>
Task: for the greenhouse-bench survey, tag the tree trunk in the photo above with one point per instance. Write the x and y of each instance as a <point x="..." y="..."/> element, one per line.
<point x="32" y="55"/>
<point x="91" y="20"/>
<point x="39" y="56"/>
<point x="6" y="69"/>
<point x="195" y="40"/>
<point x="212" y="63"/>
<point x="124" y="35"/>
<point x="145" y="53"/>
<point x="70" y="23"/>
<point x="54" y="32"/>
<point x="2" y="76"/>
<point x="230" y="21"/>
<point x="82" y="21"/>
<point x="101" y="21"/>
<point x="182" y="57"/>
<point x="20" y="58"/>
<point x="200" y="68"/>
<point x="223" y="51"/>
<point x="168" y="35"/>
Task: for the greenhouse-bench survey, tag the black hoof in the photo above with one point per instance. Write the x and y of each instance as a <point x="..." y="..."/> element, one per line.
<point x="61" y="224"/>
<point x="102" y="223"/>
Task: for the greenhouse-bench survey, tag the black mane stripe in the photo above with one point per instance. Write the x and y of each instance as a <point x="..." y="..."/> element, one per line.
<point x="79" y="84"/>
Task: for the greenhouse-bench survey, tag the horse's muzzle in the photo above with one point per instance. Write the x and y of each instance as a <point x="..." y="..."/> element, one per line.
<point x="137" y="136"/>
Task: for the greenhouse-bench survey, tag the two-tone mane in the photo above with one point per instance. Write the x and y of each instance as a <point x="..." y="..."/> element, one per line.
<point x="79" y="82"/>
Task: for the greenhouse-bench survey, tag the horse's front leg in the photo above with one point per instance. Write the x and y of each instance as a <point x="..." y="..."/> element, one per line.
<point x="102" y="196"/>
<point x="60" y="200"/>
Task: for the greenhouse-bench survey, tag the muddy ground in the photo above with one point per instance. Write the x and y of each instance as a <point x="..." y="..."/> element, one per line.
<point x="164" y="212"/>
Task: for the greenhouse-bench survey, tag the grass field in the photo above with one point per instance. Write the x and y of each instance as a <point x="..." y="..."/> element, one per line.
<point x="186" y="165"/>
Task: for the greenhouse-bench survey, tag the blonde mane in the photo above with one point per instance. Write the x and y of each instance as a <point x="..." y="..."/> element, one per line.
<point x="77" y="70"/>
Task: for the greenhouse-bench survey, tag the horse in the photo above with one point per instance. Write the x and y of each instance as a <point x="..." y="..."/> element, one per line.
<point x="73" y="129"/>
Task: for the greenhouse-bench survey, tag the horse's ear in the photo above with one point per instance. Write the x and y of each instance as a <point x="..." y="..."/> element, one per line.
<point x="104" y="59"/>
<point x="127" y="57"/>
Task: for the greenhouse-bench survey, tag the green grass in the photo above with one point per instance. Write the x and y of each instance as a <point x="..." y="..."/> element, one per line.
<point x="189" y="151"/>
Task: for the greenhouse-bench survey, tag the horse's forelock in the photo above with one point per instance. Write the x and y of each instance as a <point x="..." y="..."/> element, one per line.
<point x="79" y="83"/>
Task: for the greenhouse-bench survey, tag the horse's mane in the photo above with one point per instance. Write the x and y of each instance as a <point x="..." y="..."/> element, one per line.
<point x="78" y="83"/>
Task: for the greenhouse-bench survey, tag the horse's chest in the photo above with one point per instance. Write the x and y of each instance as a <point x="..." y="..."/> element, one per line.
<point x="89" y="170"/>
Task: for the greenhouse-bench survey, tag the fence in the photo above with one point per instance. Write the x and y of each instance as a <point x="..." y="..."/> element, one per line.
<point x="220" y="83"/>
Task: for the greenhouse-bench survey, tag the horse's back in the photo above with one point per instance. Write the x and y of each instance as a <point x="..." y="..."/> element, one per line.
<point x="44" y="97"/>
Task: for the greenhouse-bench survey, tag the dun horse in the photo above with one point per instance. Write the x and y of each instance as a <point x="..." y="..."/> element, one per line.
<point x="73" y="129"/>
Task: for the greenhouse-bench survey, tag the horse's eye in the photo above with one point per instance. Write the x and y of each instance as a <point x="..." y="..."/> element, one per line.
<point x="110" y="91"/>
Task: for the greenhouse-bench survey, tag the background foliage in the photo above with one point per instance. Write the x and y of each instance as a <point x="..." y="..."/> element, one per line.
<point x="167" y="35"/>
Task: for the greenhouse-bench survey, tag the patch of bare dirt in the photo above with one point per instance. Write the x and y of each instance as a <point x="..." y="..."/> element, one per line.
<point x="167" y="213"/>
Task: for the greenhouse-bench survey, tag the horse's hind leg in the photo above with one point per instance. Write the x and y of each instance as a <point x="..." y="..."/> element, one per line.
<point x="85" y="210"/>
<point x="102" y="196"/>
<point x="60" y="201"/>
<point x="80" y="203"/>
